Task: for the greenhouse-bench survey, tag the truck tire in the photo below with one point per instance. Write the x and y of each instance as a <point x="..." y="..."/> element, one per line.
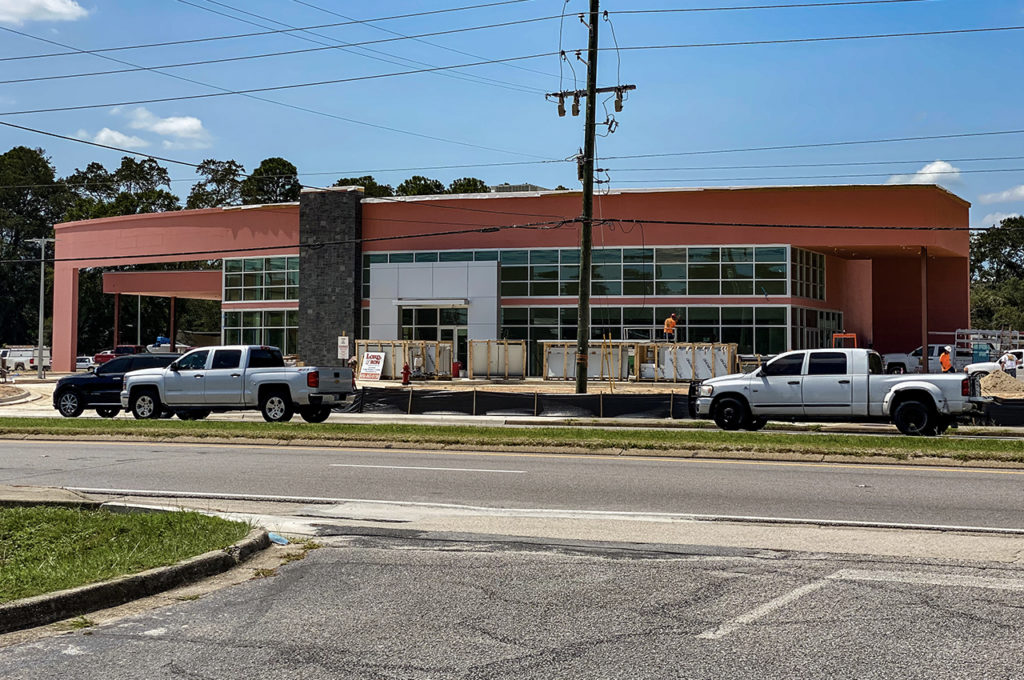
<point x="145" y="404"/>
<point x="315" y="414"/>
<point x="19" y="367"/>
<point x="896" y="369"/>
<point x="755" y="423"/>
<point x="69" y="404"/>
<point x="915" y="419"/>
<point x="731" y="413"/>
<point x="276" y="406"/>
<point x="108" y="411"/>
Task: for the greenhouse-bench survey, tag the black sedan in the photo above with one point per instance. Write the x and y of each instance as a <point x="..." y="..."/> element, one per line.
<point x="101" y="389"/>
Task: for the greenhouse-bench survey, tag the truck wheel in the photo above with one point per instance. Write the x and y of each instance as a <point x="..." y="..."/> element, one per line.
<point x="276" y="407"/>
<point x="19" y="367"/>
<point x="315" y="414"/>
<point x="896" y="368"/>
<point x="755" y="423"/>
<point x="69" y="404"/>
<point x="108" y="411"/>
<point x="914" y="419"/>
<point x="731" y="414"/>
<point x="145" y="404"/>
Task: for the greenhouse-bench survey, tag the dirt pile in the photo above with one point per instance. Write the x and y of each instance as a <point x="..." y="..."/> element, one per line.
<point x="999" y="384"/>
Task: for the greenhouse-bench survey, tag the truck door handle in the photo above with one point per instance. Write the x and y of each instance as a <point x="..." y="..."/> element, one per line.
<point x="844" y="382"/>
<point x="198" y="376"/>
<point x="236" y="375"/>
<point x="793" y="382"/>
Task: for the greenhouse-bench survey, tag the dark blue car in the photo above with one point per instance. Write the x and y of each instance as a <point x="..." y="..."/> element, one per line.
<point x="101" y="389"/>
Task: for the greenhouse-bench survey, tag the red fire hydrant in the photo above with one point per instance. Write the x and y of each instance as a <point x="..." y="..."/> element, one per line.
<point x="405" y="374"/>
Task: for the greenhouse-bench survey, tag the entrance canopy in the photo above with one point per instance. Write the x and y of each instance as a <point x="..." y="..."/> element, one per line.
<point x="193" y="285"/>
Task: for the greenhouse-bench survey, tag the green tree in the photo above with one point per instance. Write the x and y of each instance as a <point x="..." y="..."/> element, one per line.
<point x="997" y="276"/>
<point x="417" y="185"/>
<point x="468" y="185"/>
<point x="222" y="185"/>
<point x="371" y="189"/>
<point x="274" y="181"/>
<point x="32" y="200"/>
<point x="135" y="187"/>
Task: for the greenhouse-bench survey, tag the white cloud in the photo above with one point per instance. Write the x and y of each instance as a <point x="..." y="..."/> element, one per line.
<point x="18" y="12"/>
<point x="936" y="172"/>
<point x="114" y="138"/>
<point x="995" y="218"/>
<point x="183" y="132"/>
<point x="1014" y="194"/>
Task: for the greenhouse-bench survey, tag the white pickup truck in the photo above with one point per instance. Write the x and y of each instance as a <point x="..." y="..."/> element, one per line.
<point x="837" y="384"/>
<point x="234" y="378"/>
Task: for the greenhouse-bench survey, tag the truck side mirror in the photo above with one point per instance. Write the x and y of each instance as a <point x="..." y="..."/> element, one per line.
<point x="174" y="366"/>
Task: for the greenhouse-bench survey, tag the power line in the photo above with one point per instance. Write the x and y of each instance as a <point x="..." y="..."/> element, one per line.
<point x="263" y="55"/>
<point x="193" y="41"/>
<point x="193" y="165"/>
<point x="335" y="81"/>
<point x="823" y="165"/>
<point x="276" y="102"/>
<point x="727" y="8"/>
<point x="338" y="44"/>
<point x="416" y="38"/>
<point x="792" y="41"/>
<point x="274" y="88"/>
<point x="818" y="145"/>
<point x="542" y="226"/>
<point x="865" y="174"/>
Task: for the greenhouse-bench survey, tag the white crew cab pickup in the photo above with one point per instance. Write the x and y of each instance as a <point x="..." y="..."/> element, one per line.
<point x="234" y="378"/>
<point x="986" y="367"/>
<point x="836" y="384"/>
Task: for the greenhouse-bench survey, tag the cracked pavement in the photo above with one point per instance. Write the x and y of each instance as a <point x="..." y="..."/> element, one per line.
<point x="395" y="606"/>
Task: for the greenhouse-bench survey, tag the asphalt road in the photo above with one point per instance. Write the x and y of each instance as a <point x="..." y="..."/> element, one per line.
<point x="862" y="493"/>
<point x="371" y="608"/>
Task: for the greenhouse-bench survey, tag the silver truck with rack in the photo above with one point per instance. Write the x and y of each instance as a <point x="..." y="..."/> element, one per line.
<point x="844" y="385"/>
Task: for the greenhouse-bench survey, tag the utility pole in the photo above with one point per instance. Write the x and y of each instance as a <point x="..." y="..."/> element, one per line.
<point x="586" y="175"/>
<point x="41" y="242"/>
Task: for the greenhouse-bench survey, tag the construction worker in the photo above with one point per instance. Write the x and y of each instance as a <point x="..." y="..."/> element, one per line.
<point x="670" y="328"/>
<point x="945" y="360"/>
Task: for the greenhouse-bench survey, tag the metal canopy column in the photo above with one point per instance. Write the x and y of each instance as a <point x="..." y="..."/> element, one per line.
<point x="174" y="331"/>
<point x="924" y="310"/>
<point x="117" y="319"/>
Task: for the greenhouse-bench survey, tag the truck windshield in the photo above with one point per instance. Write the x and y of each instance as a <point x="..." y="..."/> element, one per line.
<point x="265" y="357"/>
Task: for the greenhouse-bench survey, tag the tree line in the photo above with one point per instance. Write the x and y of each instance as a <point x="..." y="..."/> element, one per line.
<point x="33" y="197"/>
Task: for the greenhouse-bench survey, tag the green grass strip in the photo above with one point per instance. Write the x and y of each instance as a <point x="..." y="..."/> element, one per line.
<point x="45" y="549"/>
<point x="896" y="446"/>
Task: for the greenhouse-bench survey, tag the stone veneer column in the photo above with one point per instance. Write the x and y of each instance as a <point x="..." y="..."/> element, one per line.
<point x="330" y="276"/>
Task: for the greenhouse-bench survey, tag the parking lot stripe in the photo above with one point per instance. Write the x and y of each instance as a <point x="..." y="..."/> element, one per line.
<point x="928" y="579"/>
<point x="765" y="609"/>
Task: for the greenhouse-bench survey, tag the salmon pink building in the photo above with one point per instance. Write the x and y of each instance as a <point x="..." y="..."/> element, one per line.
<point x="771" y="269"/>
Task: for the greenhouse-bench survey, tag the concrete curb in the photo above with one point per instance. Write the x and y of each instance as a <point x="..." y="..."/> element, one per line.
<point x="43" y="609"/>
<point x="17" y="398"/>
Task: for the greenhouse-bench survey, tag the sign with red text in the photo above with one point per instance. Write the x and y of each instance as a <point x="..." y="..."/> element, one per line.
<point x="373" y="364"/>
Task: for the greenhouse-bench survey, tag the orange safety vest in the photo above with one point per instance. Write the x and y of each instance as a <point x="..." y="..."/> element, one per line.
<point x="946" y="363"/>
<point x="670" y="325"/>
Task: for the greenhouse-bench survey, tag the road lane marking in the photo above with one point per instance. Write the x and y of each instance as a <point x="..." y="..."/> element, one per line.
<point x="854" y="575"/>
<point x="276" y="448"/>
<point x="928" y="579"/>
<point x="546" y="512"/>
<point x="758" y="612"/>
<point x="417" y="467"/>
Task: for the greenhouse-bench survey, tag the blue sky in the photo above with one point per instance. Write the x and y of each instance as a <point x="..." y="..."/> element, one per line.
<point x="687" y="100"/>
